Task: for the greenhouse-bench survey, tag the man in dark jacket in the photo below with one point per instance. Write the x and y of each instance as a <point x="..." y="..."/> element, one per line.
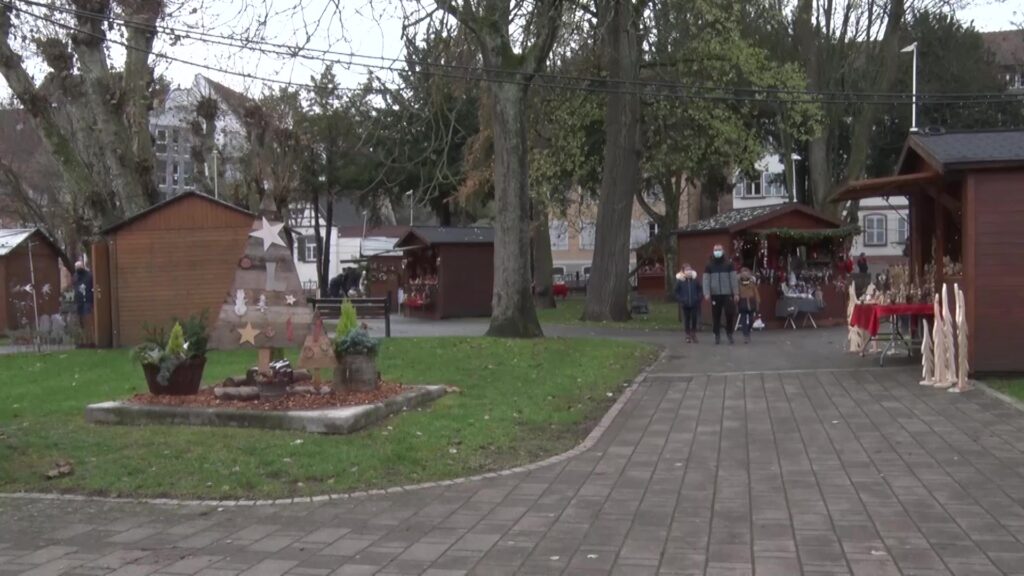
<point x="82" y="284"/>
<point x="721" y="286"/>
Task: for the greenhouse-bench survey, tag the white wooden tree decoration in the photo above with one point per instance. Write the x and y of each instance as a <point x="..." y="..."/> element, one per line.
<point x="963" y="384"/>
<point x="272" y="323"/>
<point x="927" y="358"/>
<point x="853" y="337"/>
<point x="939" y="346"/>
<point x="948" y="323"/>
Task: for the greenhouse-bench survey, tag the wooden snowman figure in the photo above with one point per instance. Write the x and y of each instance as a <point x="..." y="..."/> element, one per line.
<point x="317" y="352"/>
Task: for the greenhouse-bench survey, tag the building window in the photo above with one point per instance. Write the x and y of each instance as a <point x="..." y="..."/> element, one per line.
<point x="174" y="141"/>
<point x="307" y="248"/>
<point x="190" y="171"/>
<point x="558" y="230"/>
<point x="874" y="230"/>
<point x="161" y="141"/>
<point x="902" y="230"/>
<point x="161" y="172"/>
<point x="652" y="229"/>
<point x="588" y="232"/>
<point x="557" y="271"/>
<point x="747" y="188"/>
<point x="775" y="184"/>
<point x="174" y="174"/>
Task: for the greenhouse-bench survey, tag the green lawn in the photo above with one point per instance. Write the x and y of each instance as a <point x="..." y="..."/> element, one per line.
<point x="1014" y="388"/>
<point x="520" y="401"/>
<point x="664" y="315"/>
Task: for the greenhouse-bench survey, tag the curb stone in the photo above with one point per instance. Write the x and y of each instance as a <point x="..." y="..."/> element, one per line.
<point x="587" y="443"/>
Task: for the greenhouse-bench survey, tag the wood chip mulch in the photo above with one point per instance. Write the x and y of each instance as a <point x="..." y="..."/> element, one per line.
<point x="206" y="399"/>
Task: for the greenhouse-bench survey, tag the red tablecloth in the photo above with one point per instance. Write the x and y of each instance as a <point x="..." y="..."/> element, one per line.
<point x="867" y="317"/>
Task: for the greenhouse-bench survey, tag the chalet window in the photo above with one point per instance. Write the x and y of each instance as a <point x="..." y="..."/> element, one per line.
<point x="902" y="230"/>
<point x="307" y="248"/>
<point x="874" y="230"/>
<point x="587" y="235"/>
<point x="558" y="230"/>
<point x="160" y="147"/>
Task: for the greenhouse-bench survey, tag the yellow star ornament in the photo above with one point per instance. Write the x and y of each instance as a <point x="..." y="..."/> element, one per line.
<point x="248" y="334"/>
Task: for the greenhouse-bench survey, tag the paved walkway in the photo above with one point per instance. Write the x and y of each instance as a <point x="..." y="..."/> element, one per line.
<point x="820" y="471"/>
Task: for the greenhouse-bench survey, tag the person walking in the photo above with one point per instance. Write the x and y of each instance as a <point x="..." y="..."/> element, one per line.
<point x="862" y="263"/>
<point x="749" y="303"/>
<point x="82" y="284"/>
<point x="689" y="294"/>
<point x="721" y="286"/>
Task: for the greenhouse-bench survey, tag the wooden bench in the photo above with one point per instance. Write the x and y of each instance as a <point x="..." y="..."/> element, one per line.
<point x="366" y="308"/>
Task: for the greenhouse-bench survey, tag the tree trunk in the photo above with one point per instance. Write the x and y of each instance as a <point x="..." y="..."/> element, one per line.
<point x="608" y="297"/>
<point x="512" y="311"/>
<point x="314" y="211"/>
<point x="819" y="164"/>
<point x="324" y="256"/>
<point x="667" y="230"/>
<point x="543" y="262"/>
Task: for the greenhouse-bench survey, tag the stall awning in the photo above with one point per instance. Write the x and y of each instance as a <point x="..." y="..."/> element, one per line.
<point x="889" y="186"/>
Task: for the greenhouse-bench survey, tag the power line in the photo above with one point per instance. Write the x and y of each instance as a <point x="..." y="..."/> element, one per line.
<point x="293" y="51"/>
<point x="598" y="85"/>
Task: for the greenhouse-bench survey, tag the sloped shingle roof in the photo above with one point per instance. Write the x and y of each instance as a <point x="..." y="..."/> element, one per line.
<point x="1007" y="46"/>
<point x="438" y="235"/>
<point x="959" y="150"/>
<point x="727" y="220"/>
<point x="12" y="237"/>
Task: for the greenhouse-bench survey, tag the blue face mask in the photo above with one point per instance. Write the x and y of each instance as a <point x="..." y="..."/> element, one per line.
<point x="719" y="253"/>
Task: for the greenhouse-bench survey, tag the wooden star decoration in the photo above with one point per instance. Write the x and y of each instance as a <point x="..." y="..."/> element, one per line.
<point x="290" y="300"/>
<point x="248" y="334"/>
<point x="270" y="234"/>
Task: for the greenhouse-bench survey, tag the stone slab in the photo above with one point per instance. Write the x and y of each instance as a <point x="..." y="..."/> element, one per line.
<point x="334" y="421"/>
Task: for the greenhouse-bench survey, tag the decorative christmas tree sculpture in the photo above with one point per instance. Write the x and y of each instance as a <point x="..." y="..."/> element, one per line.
<point x="939" y="346"/>
<point x="949" y="346"/>
<point x="317" y="351"/>
<point x="260" y="309"/>
<point x="927" y="358"/>
<point x="853" y="337"/>
<point x="962" y="382"/>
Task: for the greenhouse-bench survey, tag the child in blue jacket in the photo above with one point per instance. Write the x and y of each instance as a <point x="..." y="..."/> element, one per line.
<point x="689" y="294"/>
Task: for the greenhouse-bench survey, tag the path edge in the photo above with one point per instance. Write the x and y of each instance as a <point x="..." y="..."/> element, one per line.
<point x="595" y="434"/>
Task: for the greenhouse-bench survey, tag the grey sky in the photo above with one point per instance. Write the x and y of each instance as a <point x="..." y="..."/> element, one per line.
<point x="373" y="28"/>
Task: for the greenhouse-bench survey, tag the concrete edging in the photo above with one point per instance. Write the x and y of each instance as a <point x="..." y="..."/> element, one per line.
<point x="342" y="420"/>
<point x="588" y="442"/>
<point x="1019" y="405"/>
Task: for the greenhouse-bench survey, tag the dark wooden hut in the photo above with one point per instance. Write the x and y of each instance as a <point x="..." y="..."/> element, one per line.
<point x="965" y="191"/>
<point x="769" y="240"/>
<point x="27" y="254"/>
<point x="448" y="272"/>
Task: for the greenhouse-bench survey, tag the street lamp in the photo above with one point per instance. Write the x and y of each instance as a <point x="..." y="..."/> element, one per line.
<point x="409" y="194"/>
<point x="913" y="97"/>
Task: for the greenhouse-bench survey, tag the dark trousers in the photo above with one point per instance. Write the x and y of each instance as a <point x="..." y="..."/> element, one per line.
<point x="722" y="305"/>
<point x="747" y="310"/>
<point x="689" y="319"/>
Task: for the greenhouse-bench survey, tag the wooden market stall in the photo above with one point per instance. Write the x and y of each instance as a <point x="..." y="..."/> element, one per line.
<point x="448" y="272"/>
<point x="28" y="258"/>
<point x="175" y="259"/>
<point x="966" y="197"/>
<point x="792" y="249"/>
<point x="650" y="270"/>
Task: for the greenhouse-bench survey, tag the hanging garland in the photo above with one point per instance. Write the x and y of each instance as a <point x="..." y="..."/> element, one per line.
<point x="841" y="233"/>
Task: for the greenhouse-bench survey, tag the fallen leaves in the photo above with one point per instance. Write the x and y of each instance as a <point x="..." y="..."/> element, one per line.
<point x="60" y="469"/>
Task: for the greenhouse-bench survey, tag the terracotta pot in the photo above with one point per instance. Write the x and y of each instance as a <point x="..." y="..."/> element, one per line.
<point x="356" y="373"/>
<point x="184" y="380"/>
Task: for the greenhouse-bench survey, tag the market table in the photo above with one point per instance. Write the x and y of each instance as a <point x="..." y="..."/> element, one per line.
<point x="869" y="317"/>
<point x="790" y="307"/>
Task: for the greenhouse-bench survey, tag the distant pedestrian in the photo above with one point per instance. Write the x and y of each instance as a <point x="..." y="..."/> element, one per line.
<point x="862" y="263"/>
<point x="721" y="286"/>
<point x="82" y="284"/>
<point x="750" y="302"/>
<point x="689" y="294"/>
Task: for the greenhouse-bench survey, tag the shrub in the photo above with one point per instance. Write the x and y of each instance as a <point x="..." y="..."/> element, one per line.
<point x="357" y="342"/>
<point x="347" y="321"/>
<point x="176" y="341"/>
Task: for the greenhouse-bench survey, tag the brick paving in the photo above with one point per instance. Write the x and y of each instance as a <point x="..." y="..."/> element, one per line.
<point x="814" y="472"/>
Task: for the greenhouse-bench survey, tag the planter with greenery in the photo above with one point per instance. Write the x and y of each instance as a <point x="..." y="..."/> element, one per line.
<point x="356" y="352"/>
<point x="174" y="366"/>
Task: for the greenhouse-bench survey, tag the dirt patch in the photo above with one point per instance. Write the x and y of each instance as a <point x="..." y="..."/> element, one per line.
<point x="333" y="399"/>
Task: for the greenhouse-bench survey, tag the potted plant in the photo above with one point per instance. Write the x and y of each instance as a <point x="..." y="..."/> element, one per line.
<point x="175" y="367"/>
<point x="357" y="361"/>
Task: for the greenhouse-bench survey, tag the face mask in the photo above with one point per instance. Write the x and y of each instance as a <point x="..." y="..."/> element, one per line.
<point x="718" y="253"/>
<point x="691" y="274"/>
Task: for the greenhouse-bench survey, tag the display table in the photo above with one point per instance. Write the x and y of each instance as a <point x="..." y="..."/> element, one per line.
<point x="790" y="307"/>
<point x="870" y="317"/>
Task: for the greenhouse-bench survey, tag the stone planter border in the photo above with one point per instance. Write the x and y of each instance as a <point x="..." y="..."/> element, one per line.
<point x="343" y="420"/>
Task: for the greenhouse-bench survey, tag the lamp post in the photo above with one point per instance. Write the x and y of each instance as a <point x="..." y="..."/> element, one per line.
<point x="409" y="194"/>
<point x="913" y="96"/>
